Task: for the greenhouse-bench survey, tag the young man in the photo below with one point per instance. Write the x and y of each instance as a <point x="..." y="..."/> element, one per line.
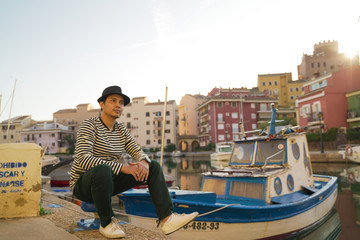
<point x="96" y="176"/>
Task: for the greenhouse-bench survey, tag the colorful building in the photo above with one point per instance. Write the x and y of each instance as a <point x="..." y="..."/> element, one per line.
<point x="10" y="130"/>
<point x="226" y="111"/>
<point x="325" y="59"/>
<point x="49" y="135"/>
<point x="353" y="113"/>
<point x="188" y="122"/>
<point x="327" y="95"/>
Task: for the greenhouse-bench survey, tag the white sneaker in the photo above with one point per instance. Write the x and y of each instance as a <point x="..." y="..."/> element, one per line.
<point x="112" y="230"/>
<point x="177" y="221"/>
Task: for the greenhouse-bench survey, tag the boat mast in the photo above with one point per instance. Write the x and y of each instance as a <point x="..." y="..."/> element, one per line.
<point x="12" y="100"/>
<point x="163" y="129"/>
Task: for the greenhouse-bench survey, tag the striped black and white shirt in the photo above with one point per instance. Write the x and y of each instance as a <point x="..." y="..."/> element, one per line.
<point x="96" y="144"/>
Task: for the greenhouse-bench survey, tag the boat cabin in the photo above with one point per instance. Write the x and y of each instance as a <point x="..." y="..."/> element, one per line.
<point x="263" y="169"/>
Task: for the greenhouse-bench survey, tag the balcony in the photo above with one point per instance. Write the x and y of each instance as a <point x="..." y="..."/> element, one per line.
<point x="353" y="117"/>
<point x="313" y="119"/>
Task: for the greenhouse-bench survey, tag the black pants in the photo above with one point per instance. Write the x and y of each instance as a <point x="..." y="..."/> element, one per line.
<point x="99" y="184"/>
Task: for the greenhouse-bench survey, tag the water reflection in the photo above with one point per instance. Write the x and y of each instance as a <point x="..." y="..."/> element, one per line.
<point x="187" y="173"/>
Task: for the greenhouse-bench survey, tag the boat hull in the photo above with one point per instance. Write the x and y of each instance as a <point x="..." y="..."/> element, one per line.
<point x="253" y="230"/>
<point x="253" y="222"/>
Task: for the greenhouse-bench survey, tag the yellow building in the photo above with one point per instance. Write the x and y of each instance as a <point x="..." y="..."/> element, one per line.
<point x="11" y="132"/>
<point x="282" y="87"/>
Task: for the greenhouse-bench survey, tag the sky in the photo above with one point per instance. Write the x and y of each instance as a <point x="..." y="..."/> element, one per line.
<point x="61" y="53"/>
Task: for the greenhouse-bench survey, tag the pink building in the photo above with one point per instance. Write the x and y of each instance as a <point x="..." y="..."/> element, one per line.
<point x="327" y="95"/>
<point x="221" y="115"/>
<point x="51" y="135"/>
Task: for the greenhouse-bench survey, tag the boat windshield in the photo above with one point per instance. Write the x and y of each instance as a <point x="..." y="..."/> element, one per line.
<point x="242" y="153"/>
<point x="225" y="149"/>
<point x="273" y="150"/>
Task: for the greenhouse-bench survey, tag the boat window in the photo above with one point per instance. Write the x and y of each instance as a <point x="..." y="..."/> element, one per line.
<point x="270" y="149"/>
<point x="295" y="150"/>
<point x="247" y="189"/>
<point x="214" y="185"/>
<point x="225" y="149"/>
<point x="307" y="162"/>
<point x="242" y="152"/>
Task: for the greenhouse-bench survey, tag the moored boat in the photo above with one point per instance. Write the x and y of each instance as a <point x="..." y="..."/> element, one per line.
<point x="222" y="152"/>
<point x="351" y="153"/>
<point x="267" y="192"/>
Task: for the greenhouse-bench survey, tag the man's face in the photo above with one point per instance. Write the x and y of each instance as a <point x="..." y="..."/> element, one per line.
<point x="113" y="106"/>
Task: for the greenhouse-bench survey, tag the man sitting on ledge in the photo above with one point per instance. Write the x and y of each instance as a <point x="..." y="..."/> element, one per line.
<point x="96" y="176"/>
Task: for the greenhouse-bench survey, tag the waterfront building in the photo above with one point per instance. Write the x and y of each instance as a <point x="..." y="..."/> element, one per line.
<point x="74" y="116"/>
<point x="327" y="95"/>
<point x="144" y="119"/>
<point x="282" y="87"/>
<point x="11" y="133"/>
<point x="188" y="122"/>
<point x="226" y="111"/>
<point x="353" y="111"/>
<point x="325" y="60"/>
<point x="49" y="135"/>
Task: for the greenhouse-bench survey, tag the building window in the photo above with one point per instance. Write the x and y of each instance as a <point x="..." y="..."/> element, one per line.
<point x="291" y="89"/>
<point x="312" y="65"/>
<point x="297" y="89"/>
<point x="291" y="97"/>
<point x="263" y="83"/>
<point x="219" y="104"/>
<point x="332" y="67"/>
<point x="147" y="122"/>
<point x="148" y="142"/>
<point x="53" y="144"/>
<point x="235" y="128"/>
<point x="39" y="135"/>
<point x="325" y="72"/>
<point x="220" y="117"/>
<point x="158" y="114"/>
<point x="167" y="130"/>
<point x="276" y="92"/>
<point x="167" y="113"/>
<point x="128" y="115"/>
<point x="147" y="114"/>
<point x="128" y="125"/>
<point x="270" y="92"/>
<point x="233" y="104"/>
<point x="159" y="141"/>
<point x="253" y="116"/>
<point x="147" y="132"/>
<point x="234" y="115"/>
<point x="318" y="64"/>
<point x="168" y="141"/>
<point x="275" y="83"/>
<point x="253" y="105"/>
<point x="12" y="136"/>
<point x="53" y="135"/>
<point x="220" y="126"/>
<point x="227" y="114"/>
<point x="269" y="83"/>
<point x="253" y="126"/>
<point x="221" y="137"/>
<point x="324" y="64"/>
<point x="4" y="137"/>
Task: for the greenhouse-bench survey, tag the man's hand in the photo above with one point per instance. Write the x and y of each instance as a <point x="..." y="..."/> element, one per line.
<point x="139" y="170"/>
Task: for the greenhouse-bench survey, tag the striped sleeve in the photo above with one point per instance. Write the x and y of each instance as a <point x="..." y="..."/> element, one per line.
<point x="84" y="155"/>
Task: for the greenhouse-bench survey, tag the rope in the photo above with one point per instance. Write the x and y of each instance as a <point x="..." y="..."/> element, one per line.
<point x="216" y="210"/>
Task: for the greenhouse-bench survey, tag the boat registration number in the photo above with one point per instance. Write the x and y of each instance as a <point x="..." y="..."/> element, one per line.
<point x="203" y="226"/>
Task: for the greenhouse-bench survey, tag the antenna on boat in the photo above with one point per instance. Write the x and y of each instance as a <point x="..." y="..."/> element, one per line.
<point x="273" y="120"/>
<point x="163" y="129"/>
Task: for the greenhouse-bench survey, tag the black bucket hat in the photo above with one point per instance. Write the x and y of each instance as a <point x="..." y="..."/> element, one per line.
<point x="113" y="90"/>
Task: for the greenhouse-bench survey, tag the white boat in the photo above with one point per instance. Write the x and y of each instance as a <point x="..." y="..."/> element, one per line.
<point x="352" y="153"/>
<point x="222" y="152"/>
<point x="49" y="160"/>
<point x="267" y="192"/>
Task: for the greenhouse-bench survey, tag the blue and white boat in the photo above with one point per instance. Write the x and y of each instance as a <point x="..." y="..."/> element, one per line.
<point x="267" y="192"/>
